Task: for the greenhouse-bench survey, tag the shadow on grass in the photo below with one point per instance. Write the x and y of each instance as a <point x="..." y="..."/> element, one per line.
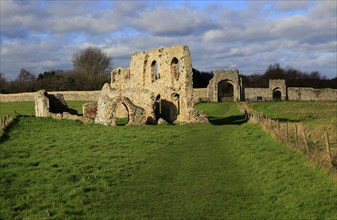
<point x="231" y="120"/>
<point x="5" y="135"/>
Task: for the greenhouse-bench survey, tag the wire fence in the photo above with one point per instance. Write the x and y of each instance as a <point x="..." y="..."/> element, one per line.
<point x="322" y="149"/>
<point x="6" y="121"/>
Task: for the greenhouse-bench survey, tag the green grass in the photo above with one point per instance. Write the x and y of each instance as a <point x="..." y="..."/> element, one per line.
<point x="317" y="117"/>
<point x="122" y="121"/>
<point x="77" y="105"/>
<point x="27" y="108"/>
<point x="23" y="108"/>
<point x="63" y="169"/>
<point x="304" y="111"/>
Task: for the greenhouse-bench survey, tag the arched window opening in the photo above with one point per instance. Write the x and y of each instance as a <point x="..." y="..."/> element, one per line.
<point x="277" y="95"/>
<point x="176" y="99"/>
<point x="154" y="71"/>
<point x="175" y="68"/>
<point x="121" y="114"/>
<point x="225" y="91"/>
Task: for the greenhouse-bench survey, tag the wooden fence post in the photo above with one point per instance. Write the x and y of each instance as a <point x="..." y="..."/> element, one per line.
<point x="296" y="140"/>
<point x="278" y="125"/>
<point x="328" y="149"/>
<point x="306" y="143"/>
<point x="287" y="137"/>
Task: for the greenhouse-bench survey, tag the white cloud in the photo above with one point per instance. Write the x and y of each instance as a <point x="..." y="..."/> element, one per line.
<point x="173" y="22"/>
<point x="44" y="36"/>
<point x="291" y="5"/>
<point x="18" y="18"/>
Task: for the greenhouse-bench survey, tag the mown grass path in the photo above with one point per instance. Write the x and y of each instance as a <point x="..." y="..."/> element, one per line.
<point x="228" y="170"/>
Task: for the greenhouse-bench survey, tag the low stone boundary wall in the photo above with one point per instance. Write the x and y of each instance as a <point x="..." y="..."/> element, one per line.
<point x="307" y="94"/>
<point x="200" y="95"/>
<point x="68" y="96"/>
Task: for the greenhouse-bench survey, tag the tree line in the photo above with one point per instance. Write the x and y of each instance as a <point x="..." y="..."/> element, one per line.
<point x="293" y="77"/>
<point x="92" y="67"/>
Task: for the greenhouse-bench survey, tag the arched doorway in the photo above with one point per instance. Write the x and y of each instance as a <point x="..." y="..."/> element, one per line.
<point x="157" y="107"/>
<point x="121" y="114"/>
<point x="277" y="94"/>
<point x="225" y="91"/>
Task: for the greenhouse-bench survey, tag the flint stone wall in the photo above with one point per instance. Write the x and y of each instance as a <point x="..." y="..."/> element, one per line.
<point x="159" y="81"/>
<point x="68" y="96"/>
<point x="163" y="72"/>
<point x="230" y="76"/>
<point x="54" y="106"/>
<point x="46" y="104"/>
<point x="278" y="85"/>
<point x="252" y="94"/>
<point x="305" y="93"/>
<point x="200" y="95"/>
<point x="89" y="110"/>
<point x="107" y="110"/>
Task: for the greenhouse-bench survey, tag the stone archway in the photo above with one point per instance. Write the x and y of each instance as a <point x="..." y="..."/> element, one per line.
<point x="277" y="94"/>
<point x="107" y="111"/>
<point x="225" y="91"/>
<point x="225" y="85"/>
<point x="277" y="89"/>
<point x="135" y="113"/>
<point x="121" y="114"/>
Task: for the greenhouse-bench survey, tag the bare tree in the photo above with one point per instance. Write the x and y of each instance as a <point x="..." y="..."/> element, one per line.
<point x="91" y="61"/>
<point x="25" y="76"/>
<point x="91" y="68"/>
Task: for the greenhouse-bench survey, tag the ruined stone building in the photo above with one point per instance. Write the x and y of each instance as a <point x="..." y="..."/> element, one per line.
<point x="157" y="88"/>
<point x="226" y="85"/>
<point x="157" y="85"/>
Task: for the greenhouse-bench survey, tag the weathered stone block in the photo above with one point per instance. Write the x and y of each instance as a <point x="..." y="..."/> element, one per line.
<point x="67" y="115"/>
<point x="90" y="109"/>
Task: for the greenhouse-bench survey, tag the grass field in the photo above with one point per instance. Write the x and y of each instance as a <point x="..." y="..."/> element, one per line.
<point x="227" y="170"/>
<point x="23" y="108"/>
<point x="27" y="108"/>
<point x="317" y="117"/>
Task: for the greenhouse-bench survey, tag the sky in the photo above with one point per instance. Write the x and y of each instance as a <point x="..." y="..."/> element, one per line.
<point x="42" y="35"/>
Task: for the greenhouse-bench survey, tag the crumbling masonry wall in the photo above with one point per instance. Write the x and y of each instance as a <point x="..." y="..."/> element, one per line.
<point x="159" y="81"/>
<point x="49" y="105"/>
